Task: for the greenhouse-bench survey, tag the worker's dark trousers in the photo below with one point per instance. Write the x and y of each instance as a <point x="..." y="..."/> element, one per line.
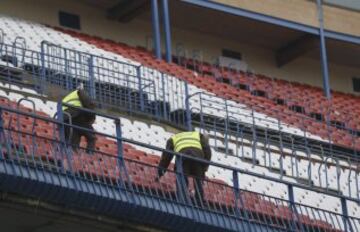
<point x="75" y="138"/>
<point x="196" y="171"/>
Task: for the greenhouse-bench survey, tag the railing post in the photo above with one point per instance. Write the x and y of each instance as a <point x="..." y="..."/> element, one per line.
<point x="119" y="142"/>
<point x="1" y="39"/>
<point x="138" y="73"/>
<point x="239" y="199"/>
<point x="347" y="225"/>
<point x="202" y="126"/>
<point x="92" y="77"/>
<point x="43" y="68"/>
<point x="2" y="135"/>
<point x="60" y="116"/>
<point x="68" y="79"/>
<point x="292" y="208"/>
<point x="291" y="196"/>
<point x="164" y="96"/>
<point x="236" y="192"/>
<point x="281" y="153"/>
<point x="187" y="105"/>
<point x="226" y="140"/>
<point x="254" y="137"/>
<point x="121" y="163"/>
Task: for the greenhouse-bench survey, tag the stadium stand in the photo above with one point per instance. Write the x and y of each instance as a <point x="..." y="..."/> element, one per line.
<point x="245" y="103"/>
<point x="242" y="115"/>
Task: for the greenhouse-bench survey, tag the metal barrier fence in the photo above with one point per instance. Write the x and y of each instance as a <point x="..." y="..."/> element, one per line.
<point x="110" y="82"/>
<point x="171" y="95"/>
<point x="37" y="142"/>
<point x="238" y="129"/>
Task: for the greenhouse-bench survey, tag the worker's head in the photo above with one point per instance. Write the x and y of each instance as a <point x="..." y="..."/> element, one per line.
<point x="206" y="137"/>
<point x="80" y="86"/>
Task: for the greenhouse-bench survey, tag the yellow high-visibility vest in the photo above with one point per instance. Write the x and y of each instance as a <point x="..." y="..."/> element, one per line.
<point x="72" y="99"/>
<point x="185" y="140"/>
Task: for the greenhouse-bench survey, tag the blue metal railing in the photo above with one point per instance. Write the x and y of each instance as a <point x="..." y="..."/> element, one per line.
<point x="233" y="114"/>
<point x="121" y="170"/>
<point x="233" y="124"/>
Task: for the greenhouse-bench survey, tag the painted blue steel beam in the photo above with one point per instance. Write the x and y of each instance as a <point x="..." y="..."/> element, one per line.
<point x="273" y="20"/>
<point x="166" y="13"/>
<point x="156" y="28"/>
<point x="75" y="191"/>
<point x="324" y="59"/>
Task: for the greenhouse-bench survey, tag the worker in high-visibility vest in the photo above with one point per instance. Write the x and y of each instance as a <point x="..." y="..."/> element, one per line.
<point x="191" y="143"/>
<point x="79" y="98"/>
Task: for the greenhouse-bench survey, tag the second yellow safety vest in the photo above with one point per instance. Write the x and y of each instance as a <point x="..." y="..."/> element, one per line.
<point x="186" y="140"/>
<point x="72" y="99"/>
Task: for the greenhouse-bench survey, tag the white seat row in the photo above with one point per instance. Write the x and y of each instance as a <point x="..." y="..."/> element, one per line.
<point x="35" y="33"/>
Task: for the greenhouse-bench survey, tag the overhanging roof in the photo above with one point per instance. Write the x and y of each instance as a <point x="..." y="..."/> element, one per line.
<point x="273" y="20"/>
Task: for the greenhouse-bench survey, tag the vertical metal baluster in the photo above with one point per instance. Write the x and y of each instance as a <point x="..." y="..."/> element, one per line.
<point x="226" y="127"/>
<point x="138" y="73"/>
<point x="188" y="111"/>
<point x="254" y="137"/>
<point x="92" y="77"/>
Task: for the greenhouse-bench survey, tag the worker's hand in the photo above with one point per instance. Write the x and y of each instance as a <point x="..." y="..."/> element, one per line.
<point x="206" y="168"/>
<point x="161" y="172"/>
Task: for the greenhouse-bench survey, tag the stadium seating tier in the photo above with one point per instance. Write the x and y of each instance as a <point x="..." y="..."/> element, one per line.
<point x="342" y="109"/>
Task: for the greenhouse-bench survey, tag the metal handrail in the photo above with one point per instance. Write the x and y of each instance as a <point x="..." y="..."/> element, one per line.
<point x="281" y="202"/>
<point x="141" y="144"/>
<point x="211" y="102"/>
<point x="45" y="42"/>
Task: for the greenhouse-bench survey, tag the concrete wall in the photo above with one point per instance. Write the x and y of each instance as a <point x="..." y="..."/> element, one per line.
<point x="93" y="21"/>
<point x="335" y="18"/>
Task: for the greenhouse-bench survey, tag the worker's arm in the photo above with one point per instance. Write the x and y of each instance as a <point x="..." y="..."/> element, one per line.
<point x="86" y="101"/>
<point x="166" y="158"/>
<point x="206" y="149"/>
